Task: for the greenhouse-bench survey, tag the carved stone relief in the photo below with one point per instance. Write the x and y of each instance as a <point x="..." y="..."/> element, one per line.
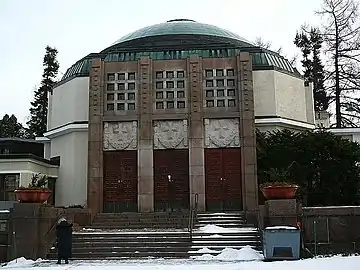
<point x="222" y="133"/>
<point x="170" y="134"/>
<point x="120" y="135"/>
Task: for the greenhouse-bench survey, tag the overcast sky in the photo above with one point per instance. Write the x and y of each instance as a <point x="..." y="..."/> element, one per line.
<point x="79" y="27"/>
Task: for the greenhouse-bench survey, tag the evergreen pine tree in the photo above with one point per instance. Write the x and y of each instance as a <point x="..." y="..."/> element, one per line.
<point x="10" y="128"/>
<point x="39" y="105"/>
<point x="310" y="42"/>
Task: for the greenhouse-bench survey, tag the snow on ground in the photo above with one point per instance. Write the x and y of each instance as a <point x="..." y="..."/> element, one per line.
<point x="217" y="229"/>
<point x="337" y="262"/>
<point x="229" y="254"/>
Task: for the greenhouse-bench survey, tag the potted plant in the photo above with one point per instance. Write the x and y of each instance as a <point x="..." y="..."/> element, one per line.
<point x="36" y="192"/>
<point x="279" y="185"/>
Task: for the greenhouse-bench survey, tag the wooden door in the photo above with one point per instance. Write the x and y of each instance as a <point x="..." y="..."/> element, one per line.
<point x="171" y="179"/>
<point x="223" y="179"/>
<point x="120" y="181"/>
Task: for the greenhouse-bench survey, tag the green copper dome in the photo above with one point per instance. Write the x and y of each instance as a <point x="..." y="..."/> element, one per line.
<point x="181" y="27"/>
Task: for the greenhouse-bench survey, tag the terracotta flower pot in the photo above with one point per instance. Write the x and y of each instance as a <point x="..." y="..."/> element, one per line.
<point x="29" y="195"/>
<point x="279" y="192"/>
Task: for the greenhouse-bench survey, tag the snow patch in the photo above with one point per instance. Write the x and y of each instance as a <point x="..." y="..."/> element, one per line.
<point x="217" y="229"/>
<point x="21" y="262"/>
<point x="281" y="228"/>
<point x="230" y="254"/>
<point x="205" y="251"/>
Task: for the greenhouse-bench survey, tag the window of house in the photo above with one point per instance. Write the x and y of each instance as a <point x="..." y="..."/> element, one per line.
<point x="170" y="104"/>
<point x="110" y="97"/>
<point x="209" y="103"/>
<point x="111" y="76"/>
<point x="121" y="76"/>
<point x="8" y="184"/>
<point x="169" y="94"/>
<point x="230" y="82"/>
<point x="121" y="96"/>
<point x="209" y="83"/>
<point x="219" y="73"/>
<point x="159" y="105"/>
<point x="121" y="106"/>
<point x="131" y="76"/>
<point x="159" y="95"/>
<point x="110" y="87"/>
<point x="209" y="93"/>
<point x="231" y="93"/>
<point x="159" y="85"/>
<point x="219" y="83"/>
<point x="110" y="107"/>
<point x="131" y="106"/>
<point x="180" y="84"/>
<point x="131" y="86"/>
<point x="220" y="93"/>
<point x="181" y="104"/>
<point x="208" y="73"/>
<point x="230" y="72"/>
<point x="169" y="74"/>
<point x="220" y="103"/>
<point x="121" y="86"/>
<point x="180" y="74"/>
<point x="159" y="74"/>
<point x="180" y="94"/>
<point x="131" y="96"/>
<point x="231" y="103"/>
<point x="169" y="84"/>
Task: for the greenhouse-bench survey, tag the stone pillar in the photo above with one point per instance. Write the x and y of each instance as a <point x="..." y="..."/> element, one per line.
<point x="196" y="132"/>
<point x="145" y="137"/>
<point x="95" y="135"/>
<point x="281" y="212"/>
<point x="247" y="133"/>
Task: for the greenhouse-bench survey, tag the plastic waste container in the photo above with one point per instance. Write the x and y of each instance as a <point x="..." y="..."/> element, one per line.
<point x="281" y="243"/>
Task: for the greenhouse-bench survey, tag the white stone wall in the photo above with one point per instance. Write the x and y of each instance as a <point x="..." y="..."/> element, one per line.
<point x="264" y="93"/>
<point x="69" y="103"/>
<point x="71" y="186"/>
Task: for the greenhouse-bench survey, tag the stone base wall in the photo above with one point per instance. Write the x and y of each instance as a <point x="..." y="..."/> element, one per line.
<point x="32" y="228"/>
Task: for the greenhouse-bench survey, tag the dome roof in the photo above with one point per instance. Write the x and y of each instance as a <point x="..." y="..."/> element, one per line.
<point x="181" y="27"/>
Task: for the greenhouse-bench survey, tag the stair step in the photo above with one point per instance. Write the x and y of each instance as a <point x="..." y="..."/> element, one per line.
<point x="115" y="255"/>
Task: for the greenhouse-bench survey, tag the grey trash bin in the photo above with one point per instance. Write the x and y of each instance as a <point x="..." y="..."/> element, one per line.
<point x="281" y="243"/>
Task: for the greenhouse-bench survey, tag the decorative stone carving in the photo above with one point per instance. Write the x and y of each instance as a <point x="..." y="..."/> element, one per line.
<point x="222" y="133"/>
<point x="120" y="135"/>
<point x="170" y="134"/>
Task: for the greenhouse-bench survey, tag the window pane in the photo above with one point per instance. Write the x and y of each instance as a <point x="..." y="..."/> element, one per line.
<point x="110" y="106"/>
<point x="231" y="93"/>
<point x="111" y="77"/>
<point x="209" y="83"/>
<point x="219" y="72"/>
<point x="219" y="83"/>
<point x="131" y="106"/>
<point x="180" y="74"/>
<point x="181" y="104"/>
<point x="209" y="103"/>
<point x="180" y="94"/>
<point x="230" y="72"/>
<point x="169" y="84"/>
<point x="159" y="105"/>
<point x="121" y="96"/>
<point x="169" y="74"/>
<point x="121" y="106"/>
<point x="180" y="84"/>
<point x="220" y="93"/>
<point x="170" y="104"/>
<point x="230" y="82"/>
<point x="110" y="97"/>
<point x="121" y="86"/>
<point x="231" y="103"/>
<point x="221" y="103"/>
<point x="121" y="76"/>
<point x="159" y="74"/>
<point x="131" y="86"/>
<point x="131" y="76"/>
<point x="131" y="96"/>
<point x="169" y="94"/>
<point x="159" y="85"/>
<point x="209" y="73"/>
<point x="159" y="95"/>
<point x="110" y="87"/>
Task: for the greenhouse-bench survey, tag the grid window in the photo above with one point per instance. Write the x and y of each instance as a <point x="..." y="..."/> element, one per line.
<point x="121" y="76"/>
<point x="131" y="106"/>
<point x="159" y="105"/>
<point x="159" y="95"/>
<point x="209" y="93"/>
<point x="231" y="103"/>
<point x="121" y="86"/>
<point x="180" y="84"/>
<point x="231" y="93"/>
<point x="121" y="106"/>
<point x="230" y="82"/>
<point x="180" y="74"/>
<point x="170" y="104"/>
<point x="208" y="73"/>
<point x="111" y="77"/>
<point x="131" y="76"/>
<point x="220" y="103"/>
<point x="219" y="83"/>
<point x="209" y="103"/>
<point x="169" y="84"/>
<point x="110" y="97"/>
<point x="209" y="83"/>
<point x="169" y="74"/>
<point x="159" y="74"/>
<point x="230" y="72"/>
<point x="169" y="94"/>
<point x="131" y="96"/>
<point x="159" y="85"/>
<point x="131" y="86"/>
<point x="219" y="73"/>
<point x="180" y="94"/>
<point x="110" y="106"/>
<point x="220" y="93"/>
<point x="110" y="87"/>
<point x="121" y="96"/>
<point x="181" y="104"/>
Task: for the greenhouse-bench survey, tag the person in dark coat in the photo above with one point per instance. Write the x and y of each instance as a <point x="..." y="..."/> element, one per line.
<point x="64" y="240"/>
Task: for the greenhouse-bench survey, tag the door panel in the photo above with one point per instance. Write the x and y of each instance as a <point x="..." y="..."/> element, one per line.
<point x="171" y="193"/>
<point x="223" y="179"/>
<point x="120" y="181"/>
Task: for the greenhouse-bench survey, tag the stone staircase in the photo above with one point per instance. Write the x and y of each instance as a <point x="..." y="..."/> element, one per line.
<point x="234" y="233"/>
<point x="132" y="235"/>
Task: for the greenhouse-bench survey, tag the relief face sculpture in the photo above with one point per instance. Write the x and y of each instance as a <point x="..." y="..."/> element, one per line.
<point x="222" y="132"/>
<point x="120" y="135"/>
<point x="170" y="134"/>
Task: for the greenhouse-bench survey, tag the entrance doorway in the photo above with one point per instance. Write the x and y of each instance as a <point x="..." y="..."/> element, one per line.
<point x="171" y="180"/>
<point x="120" y="181"/>
<point x="223" y="179"/>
